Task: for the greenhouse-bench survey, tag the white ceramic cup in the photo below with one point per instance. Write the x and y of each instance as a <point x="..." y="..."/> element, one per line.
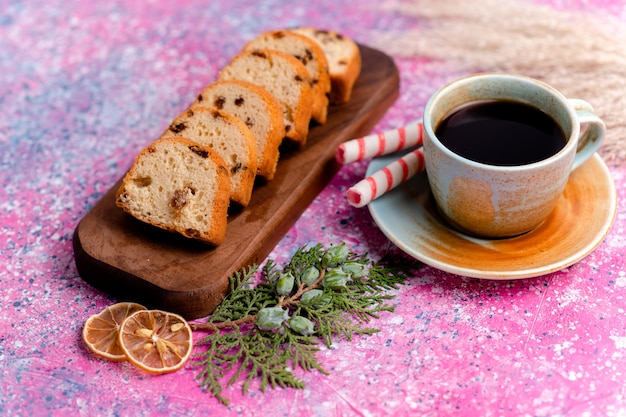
<point x="502" y="201"/>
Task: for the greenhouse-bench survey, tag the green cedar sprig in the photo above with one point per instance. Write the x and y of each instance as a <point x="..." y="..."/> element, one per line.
<point x="270" y="329"/>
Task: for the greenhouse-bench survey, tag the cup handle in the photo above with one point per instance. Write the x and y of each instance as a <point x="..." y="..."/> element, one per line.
<point x="592" y="132"/>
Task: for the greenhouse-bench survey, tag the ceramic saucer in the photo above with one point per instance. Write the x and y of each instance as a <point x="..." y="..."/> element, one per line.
<point x="578" y="224"/>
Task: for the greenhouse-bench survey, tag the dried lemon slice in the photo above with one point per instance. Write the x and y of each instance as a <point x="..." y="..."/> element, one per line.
<point x="100" y="332"/>
<point x="156" y="341"/>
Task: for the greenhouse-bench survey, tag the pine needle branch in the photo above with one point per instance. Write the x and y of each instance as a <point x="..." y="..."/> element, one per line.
<point x="265" y="332"/>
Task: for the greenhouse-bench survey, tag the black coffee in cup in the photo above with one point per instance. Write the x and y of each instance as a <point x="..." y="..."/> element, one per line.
<point x="501" y="133"/>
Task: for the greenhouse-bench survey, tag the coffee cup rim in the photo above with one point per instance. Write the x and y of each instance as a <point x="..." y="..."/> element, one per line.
<point x="573" y="121"/>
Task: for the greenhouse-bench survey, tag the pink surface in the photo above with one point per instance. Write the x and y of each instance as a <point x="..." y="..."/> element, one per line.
<point x="85" y="85"/>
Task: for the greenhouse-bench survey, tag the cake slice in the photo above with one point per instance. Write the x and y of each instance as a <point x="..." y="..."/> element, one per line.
<point x="285" y="78"/>
<point x="231" y="139"/>
<point x="307" y="51"/>
<point x="258" y="109"/>
<point x="344" y="61"/>
<point x="180" y="186"/>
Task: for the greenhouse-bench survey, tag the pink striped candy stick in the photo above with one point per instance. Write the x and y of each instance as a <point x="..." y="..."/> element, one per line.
<point x="380" y="143"/>
<point x="387" y="178"/>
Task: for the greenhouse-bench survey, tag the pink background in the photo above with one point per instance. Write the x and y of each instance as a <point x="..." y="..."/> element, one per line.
<point x="85" y="85"/>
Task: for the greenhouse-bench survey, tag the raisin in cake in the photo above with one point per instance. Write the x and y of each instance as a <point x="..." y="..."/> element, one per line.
<point x="258" y="109"/>
<point x="180" y="186"/>
<point x="307" y="51"/>
<point x="285" y="78"/>
<point x="230" y="138"/>
<point x="344" y="61"/>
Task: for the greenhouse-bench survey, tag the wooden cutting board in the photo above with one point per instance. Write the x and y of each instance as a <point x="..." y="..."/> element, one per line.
<point x="134" y="261"/>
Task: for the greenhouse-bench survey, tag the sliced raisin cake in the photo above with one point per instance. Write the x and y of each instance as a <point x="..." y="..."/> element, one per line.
<point x="258" y="109"/>
<point x="231" y="139"/>
<point x="180" y="186"/>
<point x="344" y="61"/>
<point x="285" y="78"/>
<point x="307" y="51"/>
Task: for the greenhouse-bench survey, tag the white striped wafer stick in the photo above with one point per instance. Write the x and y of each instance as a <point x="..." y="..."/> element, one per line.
<point x="387" y="178"/>
<point x="380" y="143"/>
